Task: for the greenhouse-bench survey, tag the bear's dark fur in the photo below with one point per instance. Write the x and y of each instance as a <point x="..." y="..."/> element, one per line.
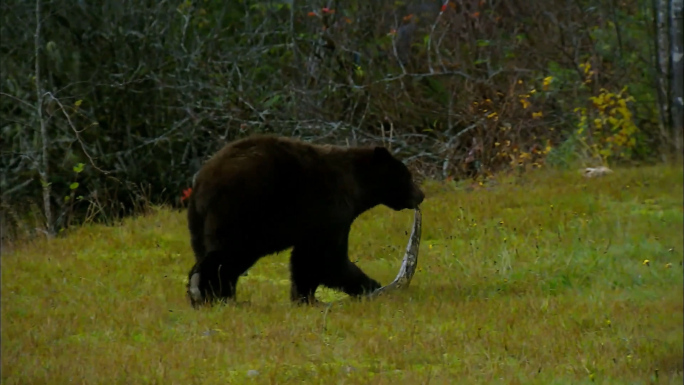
<point x="264" y="194"/>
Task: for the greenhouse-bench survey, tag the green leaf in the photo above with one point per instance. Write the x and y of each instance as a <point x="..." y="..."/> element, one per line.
<point x="78" y="168"/>
<point x="74" y="186"/>
<point x="78" y="103"/>
<point x="270" y="102"/>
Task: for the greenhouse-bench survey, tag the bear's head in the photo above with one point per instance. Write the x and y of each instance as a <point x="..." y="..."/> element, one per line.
<point x="392" y="182"/>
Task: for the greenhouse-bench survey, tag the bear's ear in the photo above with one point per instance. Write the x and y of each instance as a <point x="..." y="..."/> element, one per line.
<point x="381" y="153"/>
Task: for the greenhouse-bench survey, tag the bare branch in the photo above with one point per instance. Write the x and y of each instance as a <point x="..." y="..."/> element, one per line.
<point x="432" y="30"/>
<point x="17" y="99"/>
<point x="78" y="137"/>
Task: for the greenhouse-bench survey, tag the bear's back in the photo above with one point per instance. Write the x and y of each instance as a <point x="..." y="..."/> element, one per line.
<point x="259" y="149"/>
<point x="273" y="171"/>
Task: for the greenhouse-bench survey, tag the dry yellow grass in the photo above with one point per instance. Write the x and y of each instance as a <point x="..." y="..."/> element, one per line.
<point x="536" y="280"/>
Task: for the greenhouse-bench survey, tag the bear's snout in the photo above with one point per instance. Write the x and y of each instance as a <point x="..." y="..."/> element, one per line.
<point x="417" y="196"/>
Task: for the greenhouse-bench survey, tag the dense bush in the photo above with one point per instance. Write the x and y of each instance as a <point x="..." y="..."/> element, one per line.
<point x="135" y="95"/>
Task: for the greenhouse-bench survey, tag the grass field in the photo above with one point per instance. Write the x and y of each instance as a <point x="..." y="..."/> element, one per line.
<point x="540" y="279"/>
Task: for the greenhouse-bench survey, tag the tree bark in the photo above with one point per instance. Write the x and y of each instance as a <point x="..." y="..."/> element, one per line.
<point x="44" y="167"/>
<point x="410" y="262"/>
<point x="662" y="58"/>
<point x="677" y="54"/>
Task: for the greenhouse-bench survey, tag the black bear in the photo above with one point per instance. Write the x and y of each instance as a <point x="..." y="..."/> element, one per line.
<point x="263" y="194"/>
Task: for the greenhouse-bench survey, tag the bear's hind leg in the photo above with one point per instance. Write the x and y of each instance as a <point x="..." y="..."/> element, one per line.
<point x="219" y="274"/>
<point x="196" y="228"/>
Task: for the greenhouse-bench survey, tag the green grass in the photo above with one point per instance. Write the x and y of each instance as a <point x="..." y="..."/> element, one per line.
<point x="533" y="280"/>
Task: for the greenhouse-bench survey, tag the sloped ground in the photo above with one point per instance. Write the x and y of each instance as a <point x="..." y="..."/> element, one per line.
<point x="534" y="280"/>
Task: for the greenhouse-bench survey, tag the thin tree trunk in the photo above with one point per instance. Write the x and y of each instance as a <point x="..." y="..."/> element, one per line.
<point x="44" y="168"/>
<point x="662" y="58"/>
<point x="677" y="54"/>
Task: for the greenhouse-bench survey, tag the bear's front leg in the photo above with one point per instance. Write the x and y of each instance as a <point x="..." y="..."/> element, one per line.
<point x="351" y="280"/>
<point x="340" y="273"/>
<point x="304" y="276"/>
